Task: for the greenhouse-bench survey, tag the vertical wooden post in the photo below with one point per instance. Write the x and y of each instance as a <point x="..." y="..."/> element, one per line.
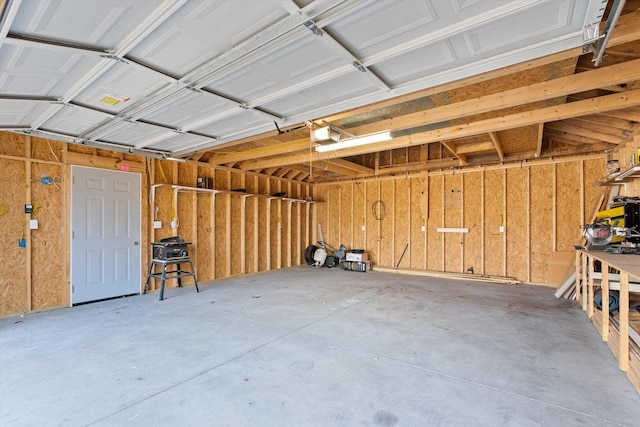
<point x="462" y="235"/>
<point x="588" y="292"/>
<point x="623" y="353"/>
<point x="66" y="235"/>
<point x="443" y="223"/>
<point x="243" y="234"/>
<point x="25" y="225"/>
<point x="267" y="236"/>
<point x="506" y="229"/>
<point x="212" y="238"/>
<point x="528" y="224"/>
<point x="554" y="224"/>
<point x="583" y="282"/>
<point x="605" y="301"/>
<point x="482" y="214"/>
<point x="579" y="270"/>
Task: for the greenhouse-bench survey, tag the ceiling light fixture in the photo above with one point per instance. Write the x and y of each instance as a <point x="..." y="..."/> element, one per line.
<point x="325" y="135"/>
<point x="355" y="142"/>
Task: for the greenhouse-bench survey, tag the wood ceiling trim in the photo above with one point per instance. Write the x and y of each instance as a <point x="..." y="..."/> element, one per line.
<point x="533" y="117"/>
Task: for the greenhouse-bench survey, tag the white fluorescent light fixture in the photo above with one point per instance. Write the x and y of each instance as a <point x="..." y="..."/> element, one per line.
<point x="355" y="142"/>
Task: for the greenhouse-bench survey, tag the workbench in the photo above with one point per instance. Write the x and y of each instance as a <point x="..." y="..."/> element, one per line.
<point x="616" y="334"/>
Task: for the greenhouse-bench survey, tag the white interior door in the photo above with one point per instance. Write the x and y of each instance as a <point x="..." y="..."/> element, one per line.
<point x="105" y="234"/>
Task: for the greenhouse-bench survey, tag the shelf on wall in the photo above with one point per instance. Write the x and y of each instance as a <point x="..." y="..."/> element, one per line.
<point x="622" y="177"/>
<point x="178" y="188"/>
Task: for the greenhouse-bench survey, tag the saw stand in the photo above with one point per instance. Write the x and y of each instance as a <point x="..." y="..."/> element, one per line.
<point x="163" y="275"/>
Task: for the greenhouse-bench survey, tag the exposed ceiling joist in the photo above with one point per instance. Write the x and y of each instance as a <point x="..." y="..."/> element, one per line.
<point x="533" y="117"/>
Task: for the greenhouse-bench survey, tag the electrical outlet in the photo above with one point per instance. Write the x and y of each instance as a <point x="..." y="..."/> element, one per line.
<point x="502" y="228"/>
<point x="157" y="224"/>
<point x="423" y="228"/>
<point x="173" y="224"/>
<point x="33" y="224"/>
<point x="364" y="228"/>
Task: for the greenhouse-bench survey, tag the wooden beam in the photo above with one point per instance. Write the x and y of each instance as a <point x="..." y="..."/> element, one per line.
<point x="497" y="145"/>
<point x="540" y="135"/>
<point x="563" y="86"/>
<point x="452" y="147"/>
<point x="276" y="148"/>
<point x="475" y="147"/>
<point x="526" y="118"/>
<point x="362" y="170"/>
<point x="590" y="133"/>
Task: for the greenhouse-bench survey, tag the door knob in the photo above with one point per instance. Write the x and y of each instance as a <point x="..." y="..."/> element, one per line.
<point x="135" y="243"/>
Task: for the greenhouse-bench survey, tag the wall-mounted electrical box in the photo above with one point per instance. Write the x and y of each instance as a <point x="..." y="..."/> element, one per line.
<point x="33" y="224"/>
<point x="157" y="224"/>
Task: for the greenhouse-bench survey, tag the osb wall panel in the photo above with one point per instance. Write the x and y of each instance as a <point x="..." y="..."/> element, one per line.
<point x="276" y="227"/>
<point x="346" y="223"/>
<point x="13" y="291"/>
<point x="373" y="226"/>
<point x="494" y="182"/>
<point x="359" y="217"/>
<point x="221" y="255"/>
<point x="472" y="202"/>
<point x="541" y="220"/>
<point x="453" y="211"/>
<point x="417" y="217"/>
<point x="285" y="230"/>
<point x="263" y="241"/>
<point x="517" y="225"/>
<point x="237" y="225"/>
<point x="387" y="195"/>
<point x="294" y="241"/>
<point x="48" y="279"/>
<point x="402" y="222"/>
<point x="206" y="236"/>
<point x="568" y="206"/>
<point x="251" y="226"/>
<point x="331" y="223"/>
<point x="434" y="221"/>
<point x="320" y="211"/>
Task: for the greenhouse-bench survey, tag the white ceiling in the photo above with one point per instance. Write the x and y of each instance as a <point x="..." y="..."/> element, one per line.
<point x="177" y="76"/>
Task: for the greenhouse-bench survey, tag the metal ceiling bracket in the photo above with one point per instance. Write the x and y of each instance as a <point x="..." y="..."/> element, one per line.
<point x="313" y="28"/>
<point x="359" y="67"/>
<point x="596" y="44"/>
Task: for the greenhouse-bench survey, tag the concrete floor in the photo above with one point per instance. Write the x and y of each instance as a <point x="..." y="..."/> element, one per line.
<point x="307" y="347"/>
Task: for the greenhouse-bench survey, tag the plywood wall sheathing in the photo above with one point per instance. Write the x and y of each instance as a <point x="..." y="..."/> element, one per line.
<point x="453" y="218"/>
<point x="568" y="218"/>
<point x="517" y="252"/>
<point x="373" y="237"/>
<point x="494" y="190"/>
<point x="401" y="223"/>
<point x="387" y="238"/>
<point x="434" y="221"/>
<point x="417" y="215"/>
<point x="472" y="199"/>
<point x="541" y="224"/>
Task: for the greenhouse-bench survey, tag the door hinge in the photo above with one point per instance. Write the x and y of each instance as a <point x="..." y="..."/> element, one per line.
<point x="73" y="289"/>
<point x="73" y="234"/>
